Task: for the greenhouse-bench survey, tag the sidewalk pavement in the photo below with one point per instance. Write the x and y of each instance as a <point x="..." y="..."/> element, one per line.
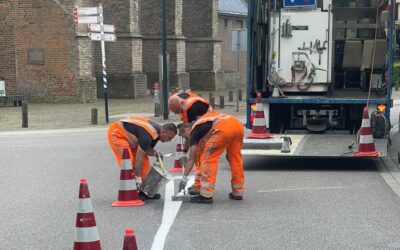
<point x="74" y="115"/>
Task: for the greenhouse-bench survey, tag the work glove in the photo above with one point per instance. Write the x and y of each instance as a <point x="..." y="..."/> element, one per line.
<point x="182" y="184"/>
<point x="159" y="156"/>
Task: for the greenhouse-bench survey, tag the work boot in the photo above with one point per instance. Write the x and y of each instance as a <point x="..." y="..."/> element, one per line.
<point x="235" y="197"/>
<point x="194" y="190"/>
<point x="201" y="199"/>
<point x="144" y="197"/>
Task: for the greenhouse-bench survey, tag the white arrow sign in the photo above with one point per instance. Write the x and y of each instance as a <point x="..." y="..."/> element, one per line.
<point x="88" y="11"/>
<point x="88" y="19"/>
<point x="107" y="37"/>
<point x="94" y="27"/>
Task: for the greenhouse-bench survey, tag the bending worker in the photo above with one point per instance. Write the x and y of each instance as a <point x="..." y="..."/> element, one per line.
<point x="189" y="105"/>
<point x="216" y="132"/>
<point x="140" y="135"/>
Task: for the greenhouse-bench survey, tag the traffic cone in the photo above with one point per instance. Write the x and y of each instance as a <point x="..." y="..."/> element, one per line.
<point x="129" y="240"/>
<point x="86" y="236"/>
<point x="259" y="130"/>
<point x="177" y="163"/>
<point x="366" y="146"/>
<point x="127" y="195"/>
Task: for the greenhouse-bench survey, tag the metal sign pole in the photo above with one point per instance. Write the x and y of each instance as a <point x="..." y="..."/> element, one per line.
<point x="103" y="59"/>
<point x="164" y="64"/>
<point x="237" y="72"/>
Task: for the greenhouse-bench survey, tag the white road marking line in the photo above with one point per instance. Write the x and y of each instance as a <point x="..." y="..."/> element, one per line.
<point x="297" y="189"/>
<point x="171" y="209"/>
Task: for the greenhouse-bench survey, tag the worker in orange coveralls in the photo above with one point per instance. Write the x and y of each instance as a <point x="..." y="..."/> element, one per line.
<point x="216" y="132"/>
<point x="140" y="135"/>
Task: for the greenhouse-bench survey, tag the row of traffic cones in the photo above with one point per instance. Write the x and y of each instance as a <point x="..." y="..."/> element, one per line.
<point x="366" y="146"/>
<point x="87" y="235"/>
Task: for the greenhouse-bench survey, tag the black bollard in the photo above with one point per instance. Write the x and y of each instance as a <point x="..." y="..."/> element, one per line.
<point x="94" y="116"/>
<point x="230" y="96"/>
<point x="24" y="109"/>
<point x="221" y="102"/>
<point x="212" y="101"/>
<point x="240" y="94"/>
<point x="210" y="95"/>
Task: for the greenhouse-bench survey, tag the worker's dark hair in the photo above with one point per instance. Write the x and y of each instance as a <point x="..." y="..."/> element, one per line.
<point x="170" y="127"/>
<point x="184" y="125"/>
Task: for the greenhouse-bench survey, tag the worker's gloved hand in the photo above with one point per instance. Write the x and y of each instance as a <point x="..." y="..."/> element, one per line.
<point x="183" y="159"/>
<point x="159" y="155"/>
<point x="182" y="184"/>
<point x="138" y="183"/>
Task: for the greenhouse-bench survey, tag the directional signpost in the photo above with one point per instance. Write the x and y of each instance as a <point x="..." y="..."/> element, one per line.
<point x="98" y="31"/>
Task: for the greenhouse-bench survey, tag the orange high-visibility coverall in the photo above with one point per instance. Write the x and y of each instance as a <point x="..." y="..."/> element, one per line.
<point x="119" y="138"/>
<point x="226" y="133"/>
<point x="188" y="103"/>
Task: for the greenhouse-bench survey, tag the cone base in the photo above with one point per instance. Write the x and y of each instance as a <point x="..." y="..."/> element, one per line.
<point x="176" y="170"/>
<point x="127" y="203"/>
<point x="259" y="136"/>
<point x="367" y="154"/>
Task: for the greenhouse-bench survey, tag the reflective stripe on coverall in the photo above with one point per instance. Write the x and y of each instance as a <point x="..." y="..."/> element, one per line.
<point x="227" y="133"/>
<point x="119" y="138"/>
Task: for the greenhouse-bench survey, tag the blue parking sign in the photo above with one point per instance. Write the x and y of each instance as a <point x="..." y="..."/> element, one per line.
<point x="299" y="3"/>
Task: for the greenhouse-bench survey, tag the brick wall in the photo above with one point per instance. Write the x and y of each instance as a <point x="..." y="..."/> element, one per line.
<point x="7" y="46"/>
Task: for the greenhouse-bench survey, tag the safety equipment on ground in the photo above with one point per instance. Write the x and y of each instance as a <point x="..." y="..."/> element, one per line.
<point x="260" y="129"/>
<point x="177" y="167"/>
<point x="128" y="193"/>
<point x="129" y="240"/>
<point x="86" y="235"/>
<point x="366" y="146"/>
<point x="226" y="134"/>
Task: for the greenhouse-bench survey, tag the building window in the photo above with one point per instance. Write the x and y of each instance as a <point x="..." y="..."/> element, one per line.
<point x="239" y="24"/>
<point x="36" y="57"/>
<point x="225" y="23"/>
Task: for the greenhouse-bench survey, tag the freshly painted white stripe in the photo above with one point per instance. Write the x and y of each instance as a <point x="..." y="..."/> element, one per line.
<point x="365" y="123"/>
<point x="126" y="185"/>
<point x="366" y="139"/>
<point x="171" y="209"/>
<point x="297" y="189"/>
<point x="126" y="164"/>
<point x="85" y="206"/>
<point x="86" y="234"/>
<point x="54" y="131"/>
<point x="259" y="122"/>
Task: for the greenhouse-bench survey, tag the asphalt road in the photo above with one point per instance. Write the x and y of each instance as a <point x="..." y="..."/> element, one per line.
<point x="289" y="203"/>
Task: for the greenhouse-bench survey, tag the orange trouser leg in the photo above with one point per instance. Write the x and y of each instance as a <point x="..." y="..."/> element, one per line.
<point x="118" y="142"/>
<point x="234" y="155"/>
<point x="213" y="149"/>
<point x="197" y="178"/>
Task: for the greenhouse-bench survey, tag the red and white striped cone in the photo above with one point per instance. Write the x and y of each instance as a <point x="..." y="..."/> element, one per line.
<point x="177" y="167"/>
<point x="127" y="195"/>
<point x="86" y="235"/>
<point x="366" y="146"/>
<point x="259" y="130"/>
<point x="129" y="240"/>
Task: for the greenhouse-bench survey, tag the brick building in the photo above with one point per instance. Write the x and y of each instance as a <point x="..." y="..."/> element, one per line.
<point x="46" y="58"/>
